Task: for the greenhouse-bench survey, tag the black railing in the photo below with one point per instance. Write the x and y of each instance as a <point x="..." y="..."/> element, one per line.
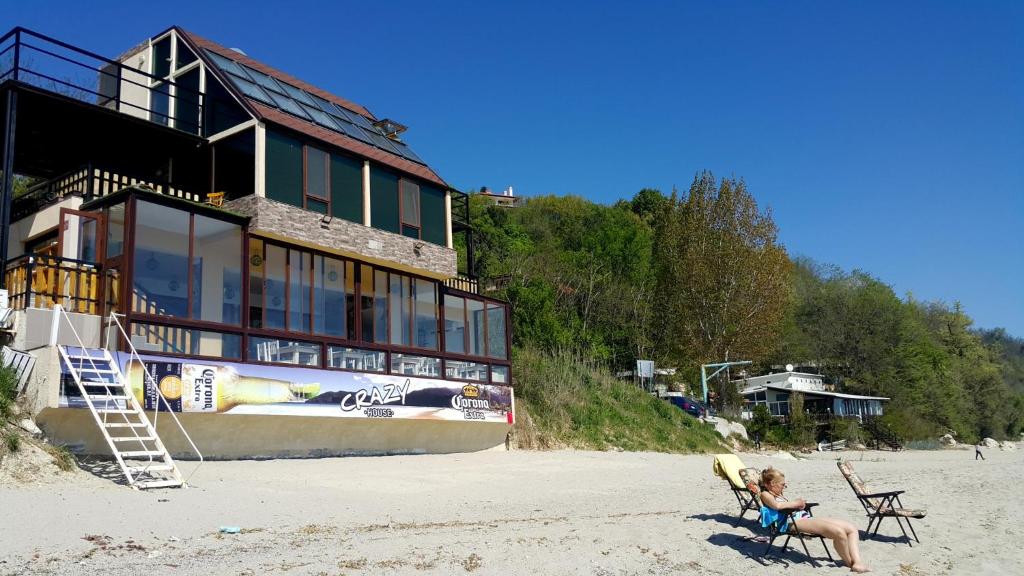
<point x="90" y="182"/>
<point x="55" y="66"/>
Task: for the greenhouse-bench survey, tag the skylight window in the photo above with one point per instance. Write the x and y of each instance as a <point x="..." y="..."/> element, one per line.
<point x="310" y="107"/>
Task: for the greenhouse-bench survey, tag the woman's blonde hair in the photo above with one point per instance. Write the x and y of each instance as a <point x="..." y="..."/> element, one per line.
<point x="769" y="475"/>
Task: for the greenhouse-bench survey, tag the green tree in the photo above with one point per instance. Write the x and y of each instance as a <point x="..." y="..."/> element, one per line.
<point x="723" y="278"/>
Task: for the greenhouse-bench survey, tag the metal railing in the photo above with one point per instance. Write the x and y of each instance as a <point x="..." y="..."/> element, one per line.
<point x="89" y="181"/>
<point x="151" y="384"/>
<point x="59" y="67"/>
<point x="36" y="281"/>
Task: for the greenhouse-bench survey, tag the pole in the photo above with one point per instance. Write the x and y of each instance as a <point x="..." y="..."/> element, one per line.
<point x="7" y="198"/>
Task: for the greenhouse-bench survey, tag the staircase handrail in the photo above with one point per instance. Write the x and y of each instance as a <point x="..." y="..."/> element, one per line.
<point x="60" y="312"/>
<point x="134" y="355"/>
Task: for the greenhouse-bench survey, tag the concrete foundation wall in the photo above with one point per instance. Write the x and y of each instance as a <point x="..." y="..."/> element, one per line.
<point x="38" y="323"/>
<point x="235" y="436"/>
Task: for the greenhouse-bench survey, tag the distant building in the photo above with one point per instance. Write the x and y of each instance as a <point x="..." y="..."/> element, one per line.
<point x="506" y="198"/>
<point x="774" y="391"/>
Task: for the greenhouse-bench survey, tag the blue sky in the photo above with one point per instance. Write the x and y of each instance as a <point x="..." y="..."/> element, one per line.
<point x="884" y="136"/>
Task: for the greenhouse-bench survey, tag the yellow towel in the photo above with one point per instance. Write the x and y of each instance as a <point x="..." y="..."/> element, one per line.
<point x="728" y="466"/>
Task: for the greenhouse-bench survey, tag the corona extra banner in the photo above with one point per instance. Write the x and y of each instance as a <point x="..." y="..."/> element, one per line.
<point x="233" y="388"/>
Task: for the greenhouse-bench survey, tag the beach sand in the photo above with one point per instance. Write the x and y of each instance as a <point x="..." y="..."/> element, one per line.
<point x="497" y="512"/>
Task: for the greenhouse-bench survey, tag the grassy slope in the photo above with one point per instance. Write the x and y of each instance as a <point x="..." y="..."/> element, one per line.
<point x="563" y="402"/>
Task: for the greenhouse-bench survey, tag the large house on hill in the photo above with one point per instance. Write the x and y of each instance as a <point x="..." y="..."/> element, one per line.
<point x="232" y="217"/>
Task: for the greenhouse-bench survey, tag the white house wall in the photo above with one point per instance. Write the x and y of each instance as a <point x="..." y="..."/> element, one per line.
<point x="134" y="91"/>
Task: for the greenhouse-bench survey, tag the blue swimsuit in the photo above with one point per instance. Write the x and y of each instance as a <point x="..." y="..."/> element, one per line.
<point x="770" y="516"/>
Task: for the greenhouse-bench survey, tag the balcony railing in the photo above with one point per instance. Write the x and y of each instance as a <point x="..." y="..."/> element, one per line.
<point x="58" y="67"/>
<point x="464" y="283"/>
<point x="42" y="281"/>
<point x="89" y="182"/>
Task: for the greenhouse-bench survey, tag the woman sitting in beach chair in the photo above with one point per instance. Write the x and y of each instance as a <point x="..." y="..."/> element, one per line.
<point x="843" y="534"/>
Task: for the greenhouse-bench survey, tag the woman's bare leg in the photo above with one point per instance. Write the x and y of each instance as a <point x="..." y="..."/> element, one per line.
<point x="853" y="545"/>
<point x="826" y="528"/>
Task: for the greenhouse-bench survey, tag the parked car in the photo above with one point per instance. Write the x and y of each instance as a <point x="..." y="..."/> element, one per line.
<point x="689" y="405"/>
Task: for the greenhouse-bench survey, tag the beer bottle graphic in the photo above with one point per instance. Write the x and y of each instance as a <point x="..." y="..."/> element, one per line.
<point x="204" y="388"/>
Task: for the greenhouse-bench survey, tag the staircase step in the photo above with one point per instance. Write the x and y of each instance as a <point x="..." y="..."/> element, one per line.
<point x="153" y="468"/>
<point x="114" y="411"/>
<point x="95" y="370"/>
<point x="140" y="453"/>
<point x="126" y="424"/>
<point x="105" y="397"/>
<point x="132" y="438"/>
<point x="84" y="357"/>
<point x="160" y="484"/>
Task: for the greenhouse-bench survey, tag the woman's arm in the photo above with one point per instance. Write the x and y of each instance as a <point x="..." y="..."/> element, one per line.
<point x="768" y="499"/>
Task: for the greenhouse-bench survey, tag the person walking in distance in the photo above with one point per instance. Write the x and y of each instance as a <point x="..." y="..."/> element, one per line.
<point x="977" y="451"/>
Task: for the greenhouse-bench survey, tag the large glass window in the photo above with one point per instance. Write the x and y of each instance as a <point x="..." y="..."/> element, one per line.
<point x="356" y="359"/>
<point x="380" y="306"/>
<point x="329" y="308"/>
<point x="499" y="374"/>
<point x="411" y="365"/>
<point x="410" y="208"/>
<point x="284" y="351"/>
<point x="425" y="329"/>
<point x="400" y="304"/>
<point x="350" y="300"/>
<point x="274" y="287"/>
<point x="162" y="57"/>
<point x="474" y="327"/>
<point x="187" y="101"/>
<point x="185" y="56"/>
<point x="317" y="195"/>
<point x="454" y="324"/>
<point x="496" y="330"/>
<point x="115" y="230"/>
<point x="160" y="266"/>
<point x="299" y="278"/>
<point x="366" y="302"/>
<point x="475" y="316"/>
<point x="185" y="341"/>
<point x="257" y="267"/>
<point x="160" y="104"/>
<point x="216" y="271"/>
<point x="460" y="370"/>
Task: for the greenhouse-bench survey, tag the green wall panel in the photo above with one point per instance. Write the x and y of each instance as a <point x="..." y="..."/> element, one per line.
<point x="384" y="200"/>
<point x="347" y="188"/>
<point x="432" y="214"/>
<point x="284" y="169"/>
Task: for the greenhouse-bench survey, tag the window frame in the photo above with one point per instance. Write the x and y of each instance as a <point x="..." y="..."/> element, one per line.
<point x="306" y="195"/>
<point x="402" y="224"/>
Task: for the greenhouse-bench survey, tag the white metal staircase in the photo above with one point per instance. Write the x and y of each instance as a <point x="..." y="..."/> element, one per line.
<point x="129" y="433"/>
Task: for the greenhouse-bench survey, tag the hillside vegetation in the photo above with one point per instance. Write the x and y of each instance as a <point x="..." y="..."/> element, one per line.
<point x="700" y="276"/>
<point x="564" y="402"/>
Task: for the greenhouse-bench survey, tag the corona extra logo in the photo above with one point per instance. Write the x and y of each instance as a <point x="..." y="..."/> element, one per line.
<point x="470" y="391"/>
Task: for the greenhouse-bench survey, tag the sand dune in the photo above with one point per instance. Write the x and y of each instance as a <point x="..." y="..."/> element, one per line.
<point x="501" y="513"/>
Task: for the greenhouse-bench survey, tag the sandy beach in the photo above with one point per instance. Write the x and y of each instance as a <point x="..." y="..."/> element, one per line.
<point x="498" y="512"/>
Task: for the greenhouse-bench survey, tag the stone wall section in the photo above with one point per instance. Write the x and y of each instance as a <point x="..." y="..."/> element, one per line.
<point x="289" y="223"/>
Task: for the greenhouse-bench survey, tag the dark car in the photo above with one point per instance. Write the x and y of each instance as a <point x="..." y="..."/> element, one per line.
<point x="689" y="405"/>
